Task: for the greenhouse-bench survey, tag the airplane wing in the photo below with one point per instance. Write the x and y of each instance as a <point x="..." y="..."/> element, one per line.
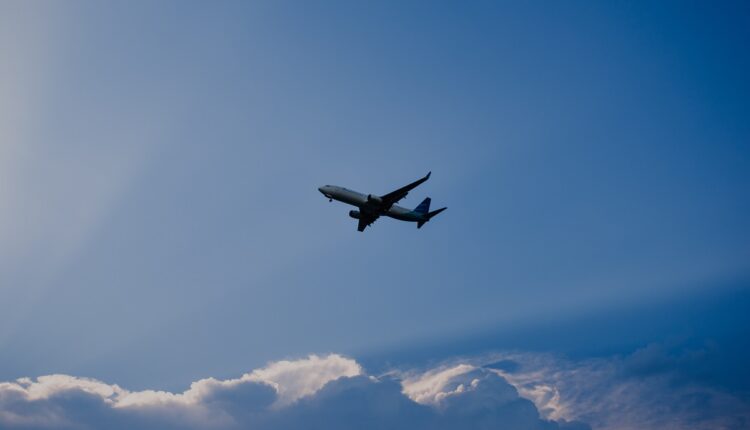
<point x="365" y="220"/>
<point x="391" y="198"/>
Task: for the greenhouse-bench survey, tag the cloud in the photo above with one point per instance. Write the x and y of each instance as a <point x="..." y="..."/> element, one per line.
<point x="331" y="392"/>
<point x="659" y="386"/>
<point x="434" y="386"/>
<point x="296" y="379"/>
<point x="466" y="393"/>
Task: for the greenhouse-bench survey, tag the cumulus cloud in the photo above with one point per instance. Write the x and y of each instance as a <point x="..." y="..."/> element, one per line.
<point x="434" y="386"/>
<point x="654" y="387"/>
<point x="296" y="379"/>
<point x="331" y="392"/>
<point x="466" y="393"/>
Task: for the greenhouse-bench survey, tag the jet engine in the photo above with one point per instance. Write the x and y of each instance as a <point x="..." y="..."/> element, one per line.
<point x="354" y="214"/>
<point x="374" y="199"/>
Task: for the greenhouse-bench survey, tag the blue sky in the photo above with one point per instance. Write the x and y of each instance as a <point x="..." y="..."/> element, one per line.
<point x="159" y="163"/>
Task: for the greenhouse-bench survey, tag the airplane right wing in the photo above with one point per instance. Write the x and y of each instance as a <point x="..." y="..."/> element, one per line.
<point x="391" y="198"/>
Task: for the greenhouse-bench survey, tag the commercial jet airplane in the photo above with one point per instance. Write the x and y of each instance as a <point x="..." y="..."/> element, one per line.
<point x="371" y="207"/>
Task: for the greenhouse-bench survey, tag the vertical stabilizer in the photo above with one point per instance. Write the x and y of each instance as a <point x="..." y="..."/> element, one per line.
<point x="423" y="207"/>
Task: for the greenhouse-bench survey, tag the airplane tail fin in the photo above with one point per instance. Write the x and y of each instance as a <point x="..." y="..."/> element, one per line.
<point x="430" y="215"/>
<point x="423" y="207"/>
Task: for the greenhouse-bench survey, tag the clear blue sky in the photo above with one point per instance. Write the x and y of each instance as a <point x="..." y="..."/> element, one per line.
<point x="159" y="161"/>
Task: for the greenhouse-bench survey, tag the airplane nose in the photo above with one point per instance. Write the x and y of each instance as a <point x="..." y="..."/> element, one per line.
<point x="324" y="190"/>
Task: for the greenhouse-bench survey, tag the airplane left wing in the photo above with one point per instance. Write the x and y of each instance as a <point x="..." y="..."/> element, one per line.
<point x="365" y="220"/>
<point x="391" y="198"/>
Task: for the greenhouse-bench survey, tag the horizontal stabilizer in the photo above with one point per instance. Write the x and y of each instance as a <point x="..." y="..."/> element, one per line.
<point x="430" y="215"/>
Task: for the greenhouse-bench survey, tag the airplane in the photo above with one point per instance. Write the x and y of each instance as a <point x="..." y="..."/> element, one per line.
<point x="371" y="207"/>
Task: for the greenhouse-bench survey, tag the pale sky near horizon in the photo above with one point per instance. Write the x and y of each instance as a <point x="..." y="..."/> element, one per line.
<point x="159" y="163"/>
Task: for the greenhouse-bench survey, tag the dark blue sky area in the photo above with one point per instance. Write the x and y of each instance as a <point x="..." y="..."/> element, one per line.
<point x="160" y="219"/>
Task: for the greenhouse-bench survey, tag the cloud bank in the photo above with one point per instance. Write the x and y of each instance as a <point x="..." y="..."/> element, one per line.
<point x="331" y="392"/>
<point x="659" y="386"/>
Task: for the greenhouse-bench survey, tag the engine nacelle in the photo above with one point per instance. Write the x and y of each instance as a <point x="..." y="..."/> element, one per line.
<point x="374" y="199"/>
<point x="354" y="214"/>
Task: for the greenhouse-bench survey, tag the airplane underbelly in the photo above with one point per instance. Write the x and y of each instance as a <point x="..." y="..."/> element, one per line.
<point x="402" y="214"/>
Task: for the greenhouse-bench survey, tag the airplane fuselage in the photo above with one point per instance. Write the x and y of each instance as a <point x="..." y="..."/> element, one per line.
<point x="369" y="203"/>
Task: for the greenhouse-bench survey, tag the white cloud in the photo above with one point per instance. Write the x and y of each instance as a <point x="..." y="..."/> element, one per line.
<point x="318" y="391"/>
<point x="433" y="386"/>
<point x="649" y="389"/>
<point x="47" y="386"/>
<point x="296" y="379"/>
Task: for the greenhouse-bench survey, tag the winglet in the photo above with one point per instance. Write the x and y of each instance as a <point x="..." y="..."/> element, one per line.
<point x="428" y="174"/>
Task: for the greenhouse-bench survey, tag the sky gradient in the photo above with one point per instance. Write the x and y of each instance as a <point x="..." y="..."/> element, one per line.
<point x="159" y="163"/>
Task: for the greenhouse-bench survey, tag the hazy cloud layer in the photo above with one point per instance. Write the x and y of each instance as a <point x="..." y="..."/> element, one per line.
<point x="316" y="392"/>
<point x="659" y="386"/>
